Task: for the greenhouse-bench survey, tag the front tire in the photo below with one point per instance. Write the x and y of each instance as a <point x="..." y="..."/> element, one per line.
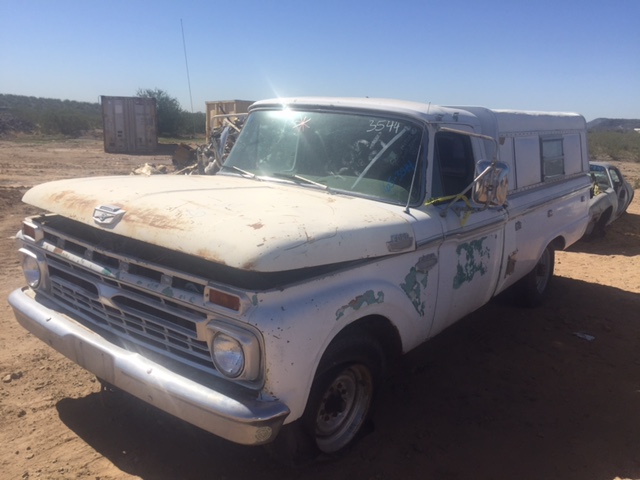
<point x="340" y="403"/>
<point x="341" y="406"/>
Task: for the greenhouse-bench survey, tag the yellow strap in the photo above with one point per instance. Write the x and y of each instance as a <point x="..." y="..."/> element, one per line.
<point x="467" y="213"/>
<point x="439" y="199"/>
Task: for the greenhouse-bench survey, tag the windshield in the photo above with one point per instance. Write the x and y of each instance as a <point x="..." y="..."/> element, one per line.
<point x="366" y="155"/>
<point x="599" y="174"/>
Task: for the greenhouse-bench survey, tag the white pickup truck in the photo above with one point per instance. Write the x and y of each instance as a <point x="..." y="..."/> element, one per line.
<point x="263" y="304"/>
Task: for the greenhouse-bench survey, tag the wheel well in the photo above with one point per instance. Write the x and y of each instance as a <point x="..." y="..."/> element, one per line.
<point x="382" y="330"/>
<point x="606" y="215"/>
<point x="558" y="243"/>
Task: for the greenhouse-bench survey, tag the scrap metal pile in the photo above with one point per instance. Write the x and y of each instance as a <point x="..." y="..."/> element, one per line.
<point x="204" y="159"/>
<point x="211" y="157"/>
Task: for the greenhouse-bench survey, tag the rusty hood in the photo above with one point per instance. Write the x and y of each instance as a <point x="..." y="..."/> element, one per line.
<point x="243" y="223"/>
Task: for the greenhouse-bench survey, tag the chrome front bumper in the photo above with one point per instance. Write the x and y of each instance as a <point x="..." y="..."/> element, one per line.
<point x="232" y="414"/>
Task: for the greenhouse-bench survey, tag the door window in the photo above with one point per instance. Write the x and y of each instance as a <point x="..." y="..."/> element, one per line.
<point x="454" y="165"/>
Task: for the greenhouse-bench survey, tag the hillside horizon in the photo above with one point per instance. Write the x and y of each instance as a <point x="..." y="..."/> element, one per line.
<point x="8" y="100"/>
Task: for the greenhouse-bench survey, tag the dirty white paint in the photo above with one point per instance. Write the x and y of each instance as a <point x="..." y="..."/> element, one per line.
<point x="243" y="223"/>
<point x="420" y="268"/>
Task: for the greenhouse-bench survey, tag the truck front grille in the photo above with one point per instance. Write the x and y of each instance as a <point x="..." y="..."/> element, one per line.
<point x="146" y="306"/>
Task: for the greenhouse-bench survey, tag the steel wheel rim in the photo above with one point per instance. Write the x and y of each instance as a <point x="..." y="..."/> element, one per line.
<point x="343" y="408"/>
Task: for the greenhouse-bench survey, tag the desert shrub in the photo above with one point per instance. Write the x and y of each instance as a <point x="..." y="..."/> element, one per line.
<point x="68" y="124"/>
<point x="51" y="116"/>
<point x="623" y="146"/>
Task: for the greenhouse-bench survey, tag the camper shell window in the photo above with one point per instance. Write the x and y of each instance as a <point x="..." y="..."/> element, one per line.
<point x="552" y="157"/>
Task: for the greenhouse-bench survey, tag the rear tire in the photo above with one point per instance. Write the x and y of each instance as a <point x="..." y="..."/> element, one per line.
<point x="535" y="285"/>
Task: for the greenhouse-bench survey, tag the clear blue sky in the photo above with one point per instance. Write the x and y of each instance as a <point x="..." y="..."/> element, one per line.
<point x="563" y="55"/>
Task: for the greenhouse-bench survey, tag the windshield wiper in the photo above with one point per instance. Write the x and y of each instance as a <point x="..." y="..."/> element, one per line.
<point x="238" y="170"/>
<point x="299" y="179"/>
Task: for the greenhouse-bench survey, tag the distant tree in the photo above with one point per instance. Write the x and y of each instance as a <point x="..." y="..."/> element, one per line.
<point x="170" y="113"/>
<point x="193" y="123"/>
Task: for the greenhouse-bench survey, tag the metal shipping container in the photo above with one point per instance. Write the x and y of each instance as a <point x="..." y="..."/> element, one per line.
<point x="129" y="124"/>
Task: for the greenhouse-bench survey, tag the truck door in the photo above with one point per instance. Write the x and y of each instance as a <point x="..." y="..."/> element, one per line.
<point x="471" y="252"/>
<point x="621" y="192"/>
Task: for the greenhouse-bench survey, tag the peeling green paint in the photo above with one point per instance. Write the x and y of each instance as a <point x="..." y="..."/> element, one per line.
<point x="168" y="291"/>
<point x="413" y="285"/>
<point x="108" y="273"/>
<point x="470" y="261"/>
<point x="367" y="298"/>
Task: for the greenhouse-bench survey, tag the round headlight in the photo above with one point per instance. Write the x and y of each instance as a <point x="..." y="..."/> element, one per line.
<point x="228" y="355"/>
<point x="31" y="270"/>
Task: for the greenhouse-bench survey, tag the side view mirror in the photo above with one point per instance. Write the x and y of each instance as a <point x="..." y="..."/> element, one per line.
<point x="490" y="186"/>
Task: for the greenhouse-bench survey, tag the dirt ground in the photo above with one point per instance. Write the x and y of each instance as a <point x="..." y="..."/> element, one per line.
<point x="506" y="393"/>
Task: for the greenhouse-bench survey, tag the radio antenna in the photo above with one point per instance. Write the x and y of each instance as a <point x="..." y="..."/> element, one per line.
<point x="186" y="62"/>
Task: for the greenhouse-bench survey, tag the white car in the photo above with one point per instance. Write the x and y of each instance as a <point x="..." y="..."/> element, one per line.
<point x="611" y="195"/>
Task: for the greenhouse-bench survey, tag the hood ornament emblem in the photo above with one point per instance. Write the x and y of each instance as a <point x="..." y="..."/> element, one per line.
<point x="107" y="215"/>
